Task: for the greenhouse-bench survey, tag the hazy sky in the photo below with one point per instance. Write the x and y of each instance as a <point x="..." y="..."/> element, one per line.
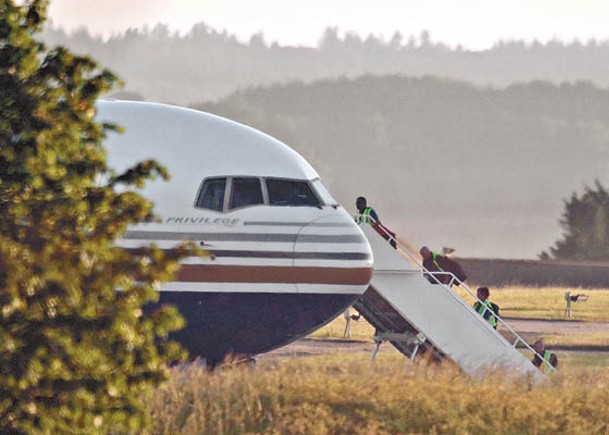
<point x="475" y="24"/>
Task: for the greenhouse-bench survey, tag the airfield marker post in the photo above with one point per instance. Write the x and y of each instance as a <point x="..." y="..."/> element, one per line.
<point x="571" y="299"/>
<point x="347" y="316"/>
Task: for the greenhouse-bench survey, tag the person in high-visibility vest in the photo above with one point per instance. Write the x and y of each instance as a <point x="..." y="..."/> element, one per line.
<point x="544" y="357"/>
<point x="485" y="307"/>
<point x="437" y="263"/>
<point x="367" y="215"/>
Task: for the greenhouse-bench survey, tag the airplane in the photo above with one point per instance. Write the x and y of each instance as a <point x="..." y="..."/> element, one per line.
<point x="285" y="259"/>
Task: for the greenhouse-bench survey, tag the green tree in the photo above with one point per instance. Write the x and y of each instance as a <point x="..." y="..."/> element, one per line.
<point x="76" y="350"/>
<point x="586" y="227"/>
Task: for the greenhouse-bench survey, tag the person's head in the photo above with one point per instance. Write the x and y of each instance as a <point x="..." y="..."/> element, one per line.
<point x="425" y="252"/>
<point x="361" y="203"/>
<point x="539" y="347"/>
<point x="483" y="293"/>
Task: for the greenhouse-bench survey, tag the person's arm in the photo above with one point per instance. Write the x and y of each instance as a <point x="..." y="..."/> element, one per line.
<point x="537" y="361"/>
<point x="554" y="360"/>
<point x="459" y="272"/>
<point x="431" y="267"/>
<point x="451" y="266"/>
<point x="428" y="264"/>
<point x="374" y="216"/>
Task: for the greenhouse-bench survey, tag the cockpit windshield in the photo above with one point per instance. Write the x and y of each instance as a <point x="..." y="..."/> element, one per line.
<point x="245" y="191"/>
<point x="323" y="193"/>
<point x="290" y="193"/>
<point x="224" y="194"/>
<point x="211" y="195"/>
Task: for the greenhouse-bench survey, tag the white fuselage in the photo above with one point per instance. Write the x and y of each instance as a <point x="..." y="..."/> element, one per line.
<point x="285" y="256"/>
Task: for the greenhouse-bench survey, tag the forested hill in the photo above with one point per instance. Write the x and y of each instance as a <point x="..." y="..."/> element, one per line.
<point x="445" y="163"/>
<point x="206" y="64"/>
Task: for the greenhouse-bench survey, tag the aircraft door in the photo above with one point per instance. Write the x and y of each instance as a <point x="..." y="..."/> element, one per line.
<point x="330" y="252"/>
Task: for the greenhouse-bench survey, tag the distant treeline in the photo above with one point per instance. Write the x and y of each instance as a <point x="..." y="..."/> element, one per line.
<point x="161" y="65"/>
<point x="444" y="163"/>
<point x="499" y="273"/>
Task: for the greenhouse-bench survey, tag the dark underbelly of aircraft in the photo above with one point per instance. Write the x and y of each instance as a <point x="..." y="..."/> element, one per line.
<point x="220" y="325"/>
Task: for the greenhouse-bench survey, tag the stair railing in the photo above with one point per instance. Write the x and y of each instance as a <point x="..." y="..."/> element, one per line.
<point x="359" y="218"/>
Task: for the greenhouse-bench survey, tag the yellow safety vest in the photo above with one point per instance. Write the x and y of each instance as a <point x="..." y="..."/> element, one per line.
<point x="547" y="355"/>
<point x="434" y="256"/>
<point x="364" y="217"/>
<point x="482" y="307"/>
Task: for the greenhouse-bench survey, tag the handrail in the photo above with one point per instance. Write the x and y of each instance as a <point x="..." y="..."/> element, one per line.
<point x="359" y="219"/>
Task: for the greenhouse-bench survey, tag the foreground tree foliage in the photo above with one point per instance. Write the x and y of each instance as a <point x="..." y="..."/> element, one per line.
<point x="586" y="224"/>
<point x="76" y="352"/>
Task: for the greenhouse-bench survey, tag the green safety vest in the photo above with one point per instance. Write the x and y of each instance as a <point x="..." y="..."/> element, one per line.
<point x="434" y="256"/>
<point x="482" y="307"/>
<point x="547" y="355"/>
<point x="364" y="217"/>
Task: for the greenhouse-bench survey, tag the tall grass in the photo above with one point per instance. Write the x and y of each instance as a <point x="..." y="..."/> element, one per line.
<point x="548" y="302"/>
<point x="339" y="394"/>
<point x="361" y="330"/>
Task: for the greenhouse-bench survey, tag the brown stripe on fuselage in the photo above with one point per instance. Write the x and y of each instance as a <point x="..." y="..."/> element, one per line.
<point x="275" y="274"/>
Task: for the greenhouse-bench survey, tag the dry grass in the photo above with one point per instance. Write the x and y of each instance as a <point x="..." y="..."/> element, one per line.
<point x="590" y="339"/>
<point x="578" y="361"/>
<point x="521" y="302"/>
<point x="343" y="394"/>
<point x="549" y="303"/>
<point x="360" y="330"/>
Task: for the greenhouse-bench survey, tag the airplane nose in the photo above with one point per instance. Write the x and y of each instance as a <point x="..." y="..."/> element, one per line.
<point x="331" y="251"/>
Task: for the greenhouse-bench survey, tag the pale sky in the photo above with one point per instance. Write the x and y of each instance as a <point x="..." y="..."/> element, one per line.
<point x="476" y="24"/>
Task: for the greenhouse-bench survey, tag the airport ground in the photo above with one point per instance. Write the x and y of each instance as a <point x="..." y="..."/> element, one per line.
<point x="578" y="343"/>
<point x="324" y="384"/>
<point x="339" y="392"/>
<point x="532" y="312"/>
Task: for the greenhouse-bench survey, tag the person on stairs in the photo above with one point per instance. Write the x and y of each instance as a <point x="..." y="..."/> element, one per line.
<point x="485" y="307"/>
<point x="437" y="263"/>
<point x="544" y="357"/>
<point x="367" y="215"/>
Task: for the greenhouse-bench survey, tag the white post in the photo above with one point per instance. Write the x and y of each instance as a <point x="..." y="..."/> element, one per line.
<point x="377" y="347"/>
<point x="347" y="315"/>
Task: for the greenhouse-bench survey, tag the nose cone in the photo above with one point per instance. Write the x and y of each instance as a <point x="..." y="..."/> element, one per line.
<point x="333" y="256"/>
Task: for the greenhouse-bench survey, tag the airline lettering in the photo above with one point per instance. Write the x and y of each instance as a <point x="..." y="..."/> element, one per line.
<point x="227" y="222"/>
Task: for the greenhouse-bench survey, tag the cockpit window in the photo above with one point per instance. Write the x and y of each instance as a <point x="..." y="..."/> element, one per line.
<point x="212" y="194"/>
<point x="290" y="193"/>
<point x="224" y="194"/>
<point x="323" y="193"/>
<point x="244" y="192"/>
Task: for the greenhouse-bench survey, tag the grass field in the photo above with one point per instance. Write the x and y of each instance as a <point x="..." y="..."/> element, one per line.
<point x="519" y="302"/>
<point x="574" y="361"/>
<point x="360" y="330"/>
<point x="548" y="303"/>
<point x="577" y="340"/>
<point x="344" y="394"/>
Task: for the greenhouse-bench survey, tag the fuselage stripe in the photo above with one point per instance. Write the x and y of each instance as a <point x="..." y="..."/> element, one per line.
<point x="295" y="255"/>
<point x="298" y="224"/>
<point x="219" y="253"/>
<point x="245" y="237"/>
<point x="274" y="274"/>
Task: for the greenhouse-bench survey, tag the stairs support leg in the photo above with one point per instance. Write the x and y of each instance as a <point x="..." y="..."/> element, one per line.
<point x="377" y="347"/>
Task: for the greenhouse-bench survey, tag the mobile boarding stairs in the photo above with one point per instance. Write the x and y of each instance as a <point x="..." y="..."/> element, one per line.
<point x="416" y="316"/>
